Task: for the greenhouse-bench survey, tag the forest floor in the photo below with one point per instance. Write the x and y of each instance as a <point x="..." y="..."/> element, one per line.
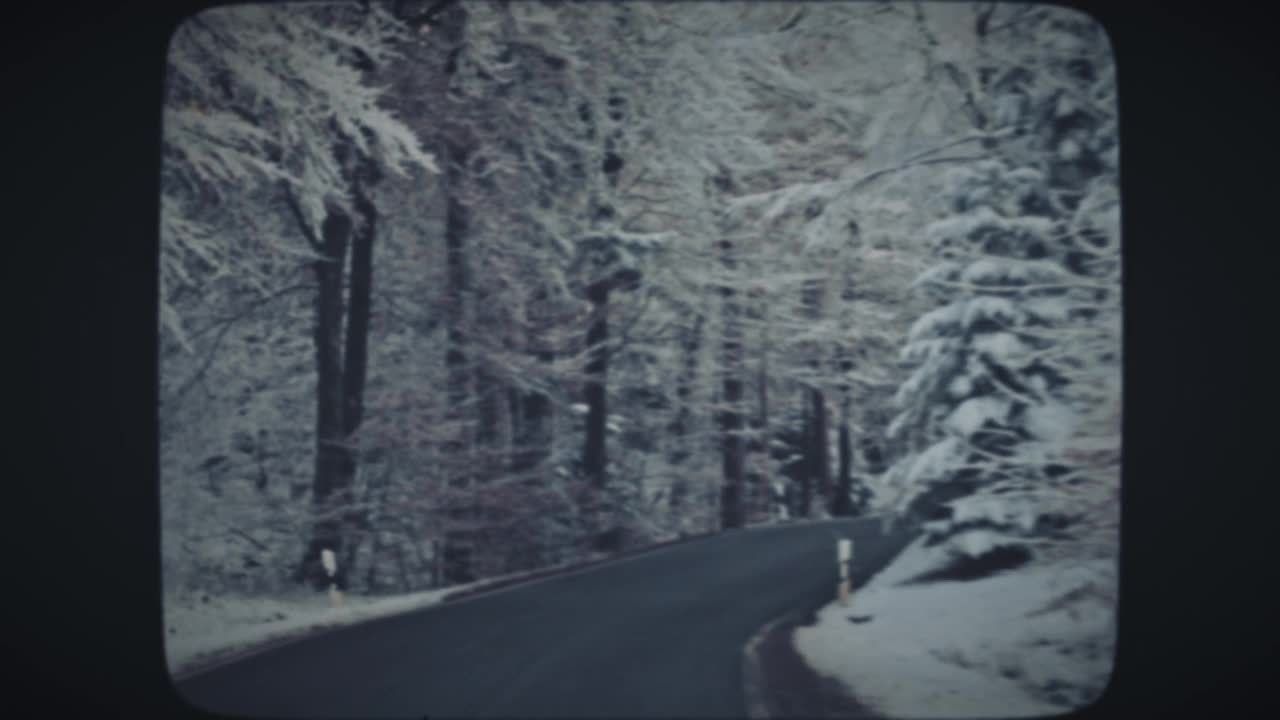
<point x="1034" y="640"/>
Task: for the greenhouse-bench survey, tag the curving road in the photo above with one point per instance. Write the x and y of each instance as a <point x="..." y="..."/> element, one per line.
<point x="655" y="635"/>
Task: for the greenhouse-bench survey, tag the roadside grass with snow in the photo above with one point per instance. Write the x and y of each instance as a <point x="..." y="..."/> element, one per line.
<point x="204" y="628"/>
<point x="1037" y="639"/>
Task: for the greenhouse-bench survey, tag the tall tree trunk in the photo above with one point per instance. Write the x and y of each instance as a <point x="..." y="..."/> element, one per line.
<point x="328" y="488"/>
<point x="806" y="467"/>
<point x="819" y="449"/>
<point x="593" y="450"/>
<point x="489" y="443"/>
<point x="816" y="463"/>
<point x="457" y="543"/>
<point x="490" y="394"/>
<point x="453" y="552"/>
<point x="532" y="434"/>
<point x="731" y="424"/>
<point x="764" y="483"/>
<point x="355" y="360"/>
<point x="681" y="424"/>
<point x="842" y="504"/>
<point x="534" y="440"/>
<point x="731" y="501"/>
<point x="517" y="431"/>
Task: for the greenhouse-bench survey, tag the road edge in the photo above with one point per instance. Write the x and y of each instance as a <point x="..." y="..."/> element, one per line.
<point x="570" y="568"/>
<point x="754" y="683"/>
<point x="215" y="659"/>
<point x="807" y="692"/>
<point x="772" y="646"/>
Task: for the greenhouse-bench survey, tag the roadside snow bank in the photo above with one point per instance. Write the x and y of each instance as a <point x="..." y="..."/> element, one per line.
<point x="201" y="629"/>
<point x="1035" y="640"/>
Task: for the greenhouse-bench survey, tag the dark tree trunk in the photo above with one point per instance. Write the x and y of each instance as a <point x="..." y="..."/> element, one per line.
<point x="355" y="360"/>
<point x="842" y="503"/>
<point x="457" y="223"/>
<point x="359" y="307"/>
<point x="456" y="548"/>
<point x="815" y="468"/>
<point x="452" y="560"/>
<point x="762" y="393"/>
<point x="328" y="487"/>
<point x="819" y="450"/>
<point x="593" y="451"/>
<point x="490" y="394"/>
<point x="533" y="442"/>
<point x="533" y="431"/>
<point x="806" y="467"/>
<point x="731" y="422"/>
<point x="873" y="456"/>
<point x="731" y="507"/>
<point x="692" y="343"/>
<point x="488" y="464"/>
<point x="490" y="390"/>
<point x="762" y="485"/>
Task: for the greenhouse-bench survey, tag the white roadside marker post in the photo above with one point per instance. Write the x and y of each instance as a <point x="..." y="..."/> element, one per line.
<point x="844" y="554"/>
<point x="331" y="567"/>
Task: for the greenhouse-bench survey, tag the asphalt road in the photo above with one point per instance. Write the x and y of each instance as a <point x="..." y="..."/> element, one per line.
<point x="656" y="635"/>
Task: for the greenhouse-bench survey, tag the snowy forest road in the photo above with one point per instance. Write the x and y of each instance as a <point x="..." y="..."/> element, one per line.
<point x="657" y="635"/>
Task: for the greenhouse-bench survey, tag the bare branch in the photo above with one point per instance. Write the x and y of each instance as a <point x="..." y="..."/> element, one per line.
<point x="908" y="165"/>
<point x="308" y="232"/>
<point x="977" y="137"/>
<point x="246" y="536"/>
<point x="255" y="306"/>
<point x="204" y="367"/>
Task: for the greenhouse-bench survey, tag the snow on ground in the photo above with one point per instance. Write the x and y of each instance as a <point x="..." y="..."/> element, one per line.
<point x="198" y="631"/>
<point x="202" y="628"/>
<point x="1006" y="645"/>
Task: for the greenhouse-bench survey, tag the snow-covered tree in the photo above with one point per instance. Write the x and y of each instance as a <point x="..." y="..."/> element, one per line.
<point x="273" y="140"/>
<point x="1023" y="344"/>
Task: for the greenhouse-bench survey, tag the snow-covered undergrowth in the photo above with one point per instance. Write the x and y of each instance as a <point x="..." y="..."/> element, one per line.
<point x="1037" y="639"/>
<point x="202" y="628"/>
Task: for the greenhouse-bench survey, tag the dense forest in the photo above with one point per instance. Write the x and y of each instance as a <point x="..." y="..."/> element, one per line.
<point x="463" y="289"/>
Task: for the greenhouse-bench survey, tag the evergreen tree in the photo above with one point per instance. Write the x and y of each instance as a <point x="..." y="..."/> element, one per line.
<point x="1026" y="287"/>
